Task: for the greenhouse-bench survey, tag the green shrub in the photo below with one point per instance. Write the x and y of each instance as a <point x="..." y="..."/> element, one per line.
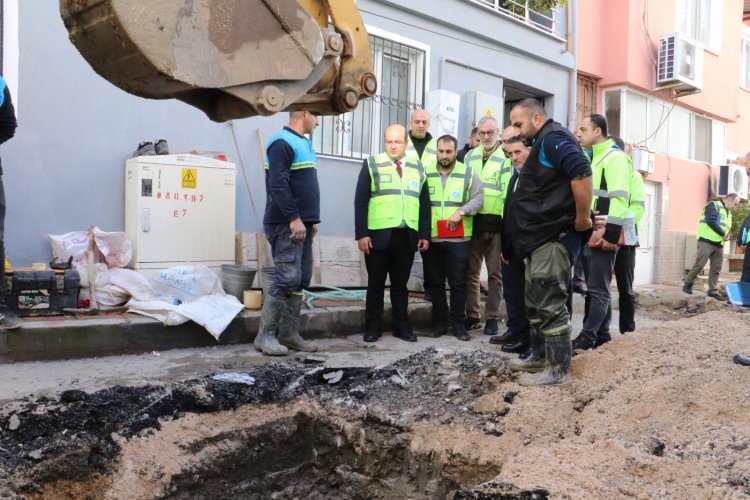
<point x="738" y="217"/>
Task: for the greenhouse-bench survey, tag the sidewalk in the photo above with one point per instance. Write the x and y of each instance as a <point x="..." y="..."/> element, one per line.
<point x="76" y="337"/>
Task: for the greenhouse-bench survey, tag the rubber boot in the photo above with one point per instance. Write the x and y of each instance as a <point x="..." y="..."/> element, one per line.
<point x="289" y="327"/>
<point x="266" y="341"/>
<point x="536" y="360"/>
<point x="557" y="372"/>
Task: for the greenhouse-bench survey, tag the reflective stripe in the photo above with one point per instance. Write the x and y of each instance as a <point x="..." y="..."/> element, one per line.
<point x="601" y="193"/>
<point x="385" y="192"/>
<point x="446" y="204"/>
<point x="641" y="203"/>
<point x="467" y="182"/>
<point x="374" y="167"/>
<point x="561" y="328"/>
<point x="619" y="221"/>
<point x="619" y="194"/>
<point x="489" y="185"/>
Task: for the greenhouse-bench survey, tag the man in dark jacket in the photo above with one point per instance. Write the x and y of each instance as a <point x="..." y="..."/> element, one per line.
<point x="391" y="221"/>
<point x="552" y="207"/>
<point x="8" y="320"/>
<point x="290" y="222"/>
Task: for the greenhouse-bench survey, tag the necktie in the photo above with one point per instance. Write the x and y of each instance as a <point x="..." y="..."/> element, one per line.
<point x="398" y="168"/>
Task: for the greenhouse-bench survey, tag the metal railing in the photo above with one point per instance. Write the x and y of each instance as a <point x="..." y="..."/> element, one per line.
<point x="547" y="22"/>
<point x="400" y="70"/>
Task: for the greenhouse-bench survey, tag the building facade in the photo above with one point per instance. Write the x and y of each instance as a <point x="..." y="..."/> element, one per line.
<point x="672" y="78"/>
<point x="64" y="170"/>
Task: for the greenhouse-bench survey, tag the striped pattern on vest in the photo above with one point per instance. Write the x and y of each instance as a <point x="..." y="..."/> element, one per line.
<point x="495" y="176"/>
<point x="394" y="200"/>
<point x="457" y="191"/>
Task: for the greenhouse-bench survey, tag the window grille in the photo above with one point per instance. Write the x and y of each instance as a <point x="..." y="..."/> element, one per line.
<point x="400" y="70"/>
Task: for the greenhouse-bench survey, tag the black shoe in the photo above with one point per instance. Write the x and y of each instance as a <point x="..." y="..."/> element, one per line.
<point x="404" y="333"/>
<point x="439" y="329"/>
<point x="582" y="343"/>
<point x="161" y="147"/>
<point x="373" y="333"/>
<point x="602" y="339"/>
<point x="482" y="289"/>
<point x="579" y="289"/>
<point x="742" y="360"/>
<point x="490" y="328"/>
<point x="687" y="288"/>
<point x="516" y="347"/>
<point x="472" y="324"/>
<point x="715" y="294"/>
<point x="459" y="331"/>
<point x="9" y="321"/>
<point x="507" y="337"/>
<point x="525" y="354"/>
<point x="145" y="149"/>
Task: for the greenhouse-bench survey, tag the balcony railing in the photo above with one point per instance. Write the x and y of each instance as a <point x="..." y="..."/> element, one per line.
<point x="548" y="22"/>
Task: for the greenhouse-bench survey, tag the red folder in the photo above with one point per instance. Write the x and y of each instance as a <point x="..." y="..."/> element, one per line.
<point x="444" y="232"/>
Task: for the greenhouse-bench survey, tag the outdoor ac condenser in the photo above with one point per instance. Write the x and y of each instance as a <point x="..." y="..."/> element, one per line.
<point x="733" y="179"/>
<point x="680" y="64"/>
<point x="180" y="209"/>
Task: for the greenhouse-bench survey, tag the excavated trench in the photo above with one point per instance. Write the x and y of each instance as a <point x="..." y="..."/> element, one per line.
<point x="299" y="432"/>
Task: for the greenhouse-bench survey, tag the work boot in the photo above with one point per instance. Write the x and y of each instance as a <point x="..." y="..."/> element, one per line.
<point x="687" y="288"/>
<point x="490" y="328"/>
<point x="558" y="351"/>
<point x="602" y="339"/>
<point x="536" y="359"/>
<point x="472" y="324"/>
<point x="715" y="294"/>
<point x="270" y="317"/>
<point x="8" y="320"/>
<point x="373" y="333"/>
<point x="459" y="331"/>
<point x="583" y="342"/>
<point x="289" y="327"/>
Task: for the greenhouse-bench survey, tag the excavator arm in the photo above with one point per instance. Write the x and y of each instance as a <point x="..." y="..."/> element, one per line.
<point x="229" y="58"/>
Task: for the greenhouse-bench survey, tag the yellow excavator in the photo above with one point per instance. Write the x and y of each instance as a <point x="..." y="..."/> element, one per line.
<point x="229" y="58"/>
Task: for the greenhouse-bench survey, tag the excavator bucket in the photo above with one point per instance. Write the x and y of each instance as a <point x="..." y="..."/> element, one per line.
<point x="229" y="58"/>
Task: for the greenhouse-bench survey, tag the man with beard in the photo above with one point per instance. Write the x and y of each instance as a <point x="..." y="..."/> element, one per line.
<point x="552" y="208"/>
<point x="455" y="196"/>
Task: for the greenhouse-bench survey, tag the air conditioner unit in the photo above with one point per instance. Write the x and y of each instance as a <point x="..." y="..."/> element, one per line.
<point x="643" y="160"/>
<point x="733" y="179"/>
<point x="680" y="64"/>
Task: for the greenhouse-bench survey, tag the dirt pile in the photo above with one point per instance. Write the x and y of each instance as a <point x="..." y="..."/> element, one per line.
<point x="660" y="412"/>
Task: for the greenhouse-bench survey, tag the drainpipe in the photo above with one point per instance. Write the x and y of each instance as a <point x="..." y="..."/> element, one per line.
<point x="573" y="85"/>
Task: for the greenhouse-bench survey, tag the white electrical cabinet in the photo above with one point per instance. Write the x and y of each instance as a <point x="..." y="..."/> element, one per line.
<point x="179" y="209"/>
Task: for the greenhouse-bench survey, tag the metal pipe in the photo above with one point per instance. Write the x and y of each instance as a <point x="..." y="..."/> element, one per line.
<point x="573" y="89"/>
<point x="446" y="60"/>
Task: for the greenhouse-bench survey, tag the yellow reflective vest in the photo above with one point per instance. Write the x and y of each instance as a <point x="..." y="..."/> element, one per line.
<point x="429" y="155"/>
<point x="495" y="176"/>
<point x="456" y="193"/>
<point x="394" y="200"/>
<point x="724" y="221"/>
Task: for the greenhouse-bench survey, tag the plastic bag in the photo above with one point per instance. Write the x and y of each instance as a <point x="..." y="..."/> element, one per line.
<point x="114" y="248"/>
<point x="182" y="284"/>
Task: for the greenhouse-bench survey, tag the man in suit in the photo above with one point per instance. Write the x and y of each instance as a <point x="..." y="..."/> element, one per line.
<point x="391" y="221"/>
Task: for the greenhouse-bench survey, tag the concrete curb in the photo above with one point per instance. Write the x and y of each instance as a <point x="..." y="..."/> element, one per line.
<point x="75" y="338"/>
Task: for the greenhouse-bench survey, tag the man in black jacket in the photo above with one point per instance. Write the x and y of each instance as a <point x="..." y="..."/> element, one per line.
<point x="8" y="320"/>
<point x="552" y="207"/>
<point x="391" y="221"/>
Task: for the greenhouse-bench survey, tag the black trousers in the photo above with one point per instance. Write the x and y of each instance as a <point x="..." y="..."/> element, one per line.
<point x="624" y="274"/>
<point x="514" y="284"/>
<point x="395" y="262"/>
<point x="448" y="259"/>
<point x="2" y="242"/>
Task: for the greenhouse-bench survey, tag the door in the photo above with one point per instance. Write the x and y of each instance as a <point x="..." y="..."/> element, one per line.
<point x="644" y="260"/>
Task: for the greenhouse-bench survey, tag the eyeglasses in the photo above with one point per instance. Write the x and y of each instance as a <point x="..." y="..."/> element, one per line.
<point x="488" y="133"/>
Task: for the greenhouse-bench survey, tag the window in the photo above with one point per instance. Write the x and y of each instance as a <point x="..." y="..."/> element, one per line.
<point x="701" y="20"/>
<point x="702" y="127"/>
<point x="400" y="69"/>
<point x="745" y="61"/>
<point x="664" y="127"/>
<point x="679" y="133"/>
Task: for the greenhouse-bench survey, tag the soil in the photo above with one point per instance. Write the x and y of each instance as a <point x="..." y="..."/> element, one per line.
<point x="661" y="412"/>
